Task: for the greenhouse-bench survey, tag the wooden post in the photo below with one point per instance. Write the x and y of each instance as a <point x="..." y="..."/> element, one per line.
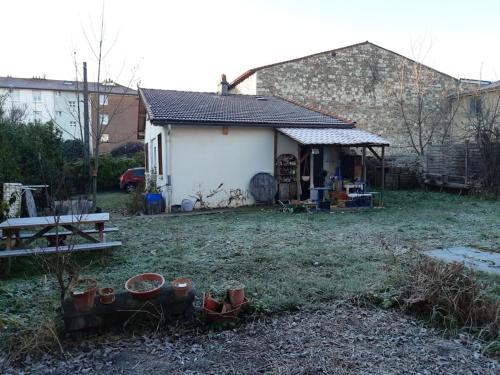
<point x="311" y="169"/>
<point x="299" y="173"/>
<point x="383" y="177"/>
<point x="364" y="166"/>
<point x="466" y="162"/>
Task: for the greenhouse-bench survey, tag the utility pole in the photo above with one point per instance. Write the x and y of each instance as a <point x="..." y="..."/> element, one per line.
<point x="86" y="124"/>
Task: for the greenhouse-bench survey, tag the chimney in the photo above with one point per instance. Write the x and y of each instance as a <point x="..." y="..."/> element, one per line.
<point x="223" y="86"/>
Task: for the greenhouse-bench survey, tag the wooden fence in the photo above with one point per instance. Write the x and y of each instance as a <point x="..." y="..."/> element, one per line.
<point x="454" y="165"/>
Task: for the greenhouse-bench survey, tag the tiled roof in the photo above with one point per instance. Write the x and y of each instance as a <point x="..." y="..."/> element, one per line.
<point x="58" y="85"/>
<point x="332" y="136"/>
<point x="183" y="107"/>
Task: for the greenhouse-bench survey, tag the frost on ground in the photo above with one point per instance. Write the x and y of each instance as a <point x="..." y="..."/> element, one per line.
<point x="336" y="340"/>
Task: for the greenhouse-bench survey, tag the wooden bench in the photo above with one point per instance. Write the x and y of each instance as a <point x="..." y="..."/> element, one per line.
<point x="66" y="233"/>
<point x="59" y="249"/>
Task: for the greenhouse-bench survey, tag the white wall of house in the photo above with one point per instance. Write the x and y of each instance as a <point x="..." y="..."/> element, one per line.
<point x="286" y="145"/>
<point x="201" y="158"/>
<point x="247" y="87"/>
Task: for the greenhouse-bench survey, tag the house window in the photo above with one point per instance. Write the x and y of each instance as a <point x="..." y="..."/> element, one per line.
<point x="105" y="138"/>
<point x="475" y="106"/>
<point x="37" y="96"/>
<point x="71" y="104"/>
<point x="58" y="113"/>
<point x="153" y="162"/>
<point x="160" y="156"/>
<point x="104" y="119"/>
<point x="14" y="95"/>
<point x="103" y="100"/>
<point x="72" y="123"/>
<point x="37" y="116"/>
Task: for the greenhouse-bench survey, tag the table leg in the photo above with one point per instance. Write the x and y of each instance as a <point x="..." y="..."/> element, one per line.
<point x="5" y="263"/>
<point x="100" y="228"/>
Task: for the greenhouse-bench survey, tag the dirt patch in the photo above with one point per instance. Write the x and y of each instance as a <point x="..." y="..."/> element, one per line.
<point x="337" y="340"/>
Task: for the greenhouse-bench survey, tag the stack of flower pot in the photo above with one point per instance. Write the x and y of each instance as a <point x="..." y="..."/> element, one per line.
<point x="227" y="310"/>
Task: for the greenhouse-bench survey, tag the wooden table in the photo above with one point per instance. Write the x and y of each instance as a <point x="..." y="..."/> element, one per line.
<point x="55" y="229"/>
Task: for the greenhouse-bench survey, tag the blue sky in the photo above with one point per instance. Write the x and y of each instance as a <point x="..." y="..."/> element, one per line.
<point x="186" y="45"/>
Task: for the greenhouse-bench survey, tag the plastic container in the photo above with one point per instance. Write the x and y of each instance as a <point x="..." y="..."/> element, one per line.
<point x="153" y="203"/>
<point x="187" y="205"/>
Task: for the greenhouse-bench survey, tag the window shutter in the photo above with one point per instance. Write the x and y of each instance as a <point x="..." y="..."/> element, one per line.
<point x="146" y="157"/>
<point x="160" y="156"/>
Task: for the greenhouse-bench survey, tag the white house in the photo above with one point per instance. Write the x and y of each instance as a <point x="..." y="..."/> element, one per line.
<point x="212" y="144"/>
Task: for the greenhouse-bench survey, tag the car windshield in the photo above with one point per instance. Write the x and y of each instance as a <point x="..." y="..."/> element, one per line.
<point x="138" y="172"/>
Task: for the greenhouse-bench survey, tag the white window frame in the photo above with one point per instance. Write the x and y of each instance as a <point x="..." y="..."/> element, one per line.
<point x="103" y="120"/>
<point x="36" y="95"/>
<point x="72" y="104"/>
<point x="105" y="138"/>
<point x="37" y="116"/>
<point x="103" y="99"/>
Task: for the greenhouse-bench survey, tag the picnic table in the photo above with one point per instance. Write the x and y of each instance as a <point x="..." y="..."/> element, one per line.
<point x="55" y="229"/>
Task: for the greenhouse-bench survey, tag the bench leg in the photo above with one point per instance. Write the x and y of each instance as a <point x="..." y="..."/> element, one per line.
<point x="5" y="265"/>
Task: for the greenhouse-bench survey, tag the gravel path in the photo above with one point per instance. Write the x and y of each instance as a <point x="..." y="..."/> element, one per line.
<point x="342" y="340"/>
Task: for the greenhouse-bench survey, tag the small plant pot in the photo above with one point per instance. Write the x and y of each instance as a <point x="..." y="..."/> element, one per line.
<point x="181" y="287"/>
<point x="210" y="303"/>
<point x="106" y="295"/>
<point x="83" y="294"/>
<point x="236" y="294"/>
<point x="145" y="285"/>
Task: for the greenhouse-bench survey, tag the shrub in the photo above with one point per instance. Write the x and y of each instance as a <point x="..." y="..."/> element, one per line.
<point x="110" y="169"/>
<point x="72" y="149"/>
<point x="30" y="153"/>
<point x="128" y="149"/>
<point x="449" y="294"/>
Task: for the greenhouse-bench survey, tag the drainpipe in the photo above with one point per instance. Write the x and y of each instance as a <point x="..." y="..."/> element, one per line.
<point x="169" y="170"/>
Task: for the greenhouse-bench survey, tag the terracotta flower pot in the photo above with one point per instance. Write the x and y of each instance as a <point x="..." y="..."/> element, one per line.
<point x="210" y="303"/>
<point x="83" y="293"/>
<point x="106" y="295"/>
<point x="236" y="294"/>
<point x="181" y="287"/>
<point x="145" y="285"/>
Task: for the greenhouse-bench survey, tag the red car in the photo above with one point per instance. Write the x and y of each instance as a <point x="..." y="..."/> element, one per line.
<point x="131" y="179"/>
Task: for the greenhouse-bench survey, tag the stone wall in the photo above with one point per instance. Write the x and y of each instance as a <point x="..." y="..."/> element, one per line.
<point x="356" y="82"/>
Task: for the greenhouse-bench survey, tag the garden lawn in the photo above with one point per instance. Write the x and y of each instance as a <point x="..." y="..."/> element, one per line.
<point x="287" y="261"/>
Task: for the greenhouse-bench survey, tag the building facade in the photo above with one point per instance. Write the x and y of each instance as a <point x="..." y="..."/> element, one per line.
<point x="478" y="106"/>
<point x="360" y="81"/>
<point x="61" y="102"/>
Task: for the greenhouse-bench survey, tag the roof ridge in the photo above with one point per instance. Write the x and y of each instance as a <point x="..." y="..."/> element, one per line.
<point x="249" y="72"/>
<point x="213" y="93"/>
<point x="62" y="81"/>
<point x="321" y="111"/>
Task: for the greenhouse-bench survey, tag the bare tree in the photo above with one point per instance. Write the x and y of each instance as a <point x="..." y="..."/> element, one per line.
<point x="103" y="89"/>
<point x="483" y="123"/>
<point x="422" y="104"/>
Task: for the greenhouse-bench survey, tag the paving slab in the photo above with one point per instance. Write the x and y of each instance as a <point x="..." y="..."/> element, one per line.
<point x="476" y="259"/>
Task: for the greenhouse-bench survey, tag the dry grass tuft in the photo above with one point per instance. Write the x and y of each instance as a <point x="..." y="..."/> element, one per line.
<point x="44" y="338"/>
<point x="450" y="295"/>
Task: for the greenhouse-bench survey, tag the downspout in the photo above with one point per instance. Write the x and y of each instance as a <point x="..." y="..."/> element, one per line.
<point x="169" y="169"/>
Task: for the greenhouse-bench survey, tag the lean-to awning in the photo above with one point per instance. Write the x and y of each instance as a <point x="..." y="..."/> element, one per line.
<point x="331" y="136"/>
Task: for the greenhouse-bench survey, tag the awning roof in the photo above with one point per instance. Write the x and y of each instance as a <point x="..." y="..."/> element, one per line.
<point x="331" y="136"/>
